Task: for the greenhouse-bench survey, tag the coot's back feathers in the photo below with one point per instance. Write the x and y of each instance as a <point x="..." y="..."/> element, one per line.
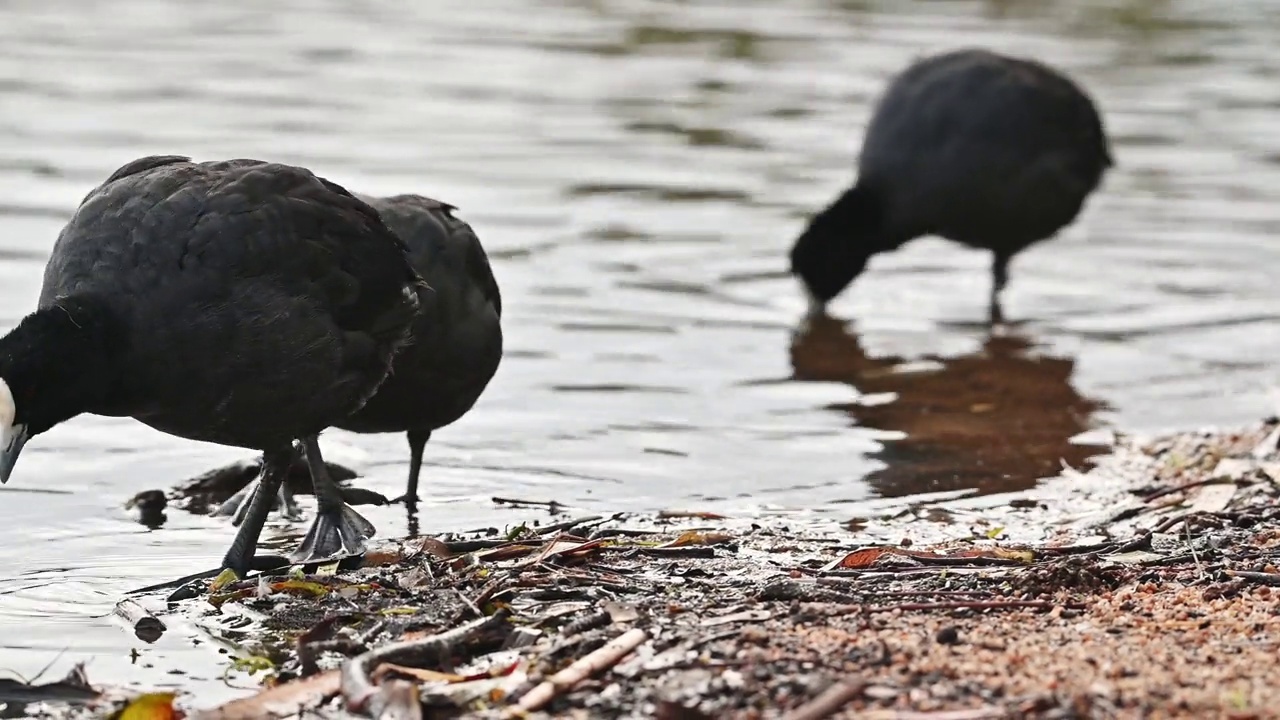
<point x="259" y="302"/>
<point x="987" y="150"/>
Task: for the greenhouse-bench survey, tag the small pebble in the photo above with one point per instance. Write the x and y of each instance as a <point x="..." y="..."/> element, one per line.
<point x="948" y="635"/>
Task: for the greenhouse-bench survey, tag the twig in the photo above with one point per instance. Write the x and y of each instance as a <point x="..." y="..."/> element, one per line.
<point x="1216" y="480"/>
<point x="828" y="702"/>
<point x="597" y="661"/>
<point x="1170" y="522"/>
<point x="1141" y="542"/>
<point x="853" y="589"/>
<point x="1191" y="545"/>
<point x="1258" y="577"/>
<point x="955" y="605"/>
<point x="567" y="525"/>
<point x="690" y="514"/>
<point x="551" y="505"/>
<point x="460" y="547"/>
<point x="358" y="690"/>
<point x="264" y="564"/>
<point x="467" y="604"/>
<point x="688" y="551"/>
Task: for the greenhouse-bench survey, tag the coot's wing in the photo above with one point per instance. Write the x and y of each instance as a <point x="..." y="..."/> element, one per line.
<point x="162" y="223"/>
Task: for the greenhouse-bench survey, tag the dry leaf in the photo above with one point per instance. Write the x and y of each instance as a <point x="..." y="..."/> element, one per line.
<point x="866" y="557"/>
<point x="435" y="548"/>
<point x="292" y="698"/>
<point x="744" y="616"/>
<point x="300" y="586"/>
<point x="1213" y="498"/>
<point x="505" y="552"/>
<point x="421" y="674"/>
<point x="699" y="515"/>
<point x="695" y="537"/>
<point x="152" y="706"/>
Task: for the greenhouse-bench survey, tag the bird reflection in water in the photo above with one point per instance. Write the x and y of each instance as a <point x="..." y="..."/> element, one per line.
<point x="996" y="420"/>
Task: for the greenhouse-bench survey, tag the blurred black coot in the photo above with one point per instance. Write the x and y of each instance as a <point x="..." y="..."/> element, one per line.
<point x="456" y="342"/>
<point x="991" y="151"/>
<point x="238" y="302"/>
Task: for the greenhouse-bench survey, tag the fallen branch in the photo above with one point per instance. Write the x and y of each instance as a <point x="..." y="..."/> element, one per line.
<point x="954" y="605"/>
<point x="550" y="505"/>
<point x="358" y="691"/>
<point x="1215" y="480"/>
<point x="828" y="703"/>
<point x="1264" y="578"/>
<point x="601" y="659"/>
<point x="145" y="625"/>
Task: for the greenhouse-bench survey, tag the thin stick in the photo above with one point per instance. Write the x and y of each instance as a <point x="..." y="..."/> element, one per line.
<point x="1258" y="577"/>
<point x="357" y="687"/>
<point x="829" y="702"/>
<point x="605" y="657"/>
<point x="1216" y="480"/>
<point x="517" y="502"/>
<point x="957" y="605"/>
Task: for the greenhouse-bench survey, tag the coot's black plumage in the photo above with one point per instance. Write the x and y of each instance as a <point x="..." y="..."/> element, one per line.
<point x="991" y="151"/>
<point x="240" y="302"/>
<point x="456" y="342"/>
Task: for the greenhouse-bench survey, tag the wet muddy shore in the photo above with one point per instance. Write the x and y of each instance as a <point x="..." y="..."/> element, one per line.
<point x="1146" y="586"/>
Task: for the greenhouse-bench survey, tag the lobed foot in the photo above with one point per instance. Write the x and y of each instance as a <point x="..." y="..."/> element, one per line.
<point x="336" y="533"/>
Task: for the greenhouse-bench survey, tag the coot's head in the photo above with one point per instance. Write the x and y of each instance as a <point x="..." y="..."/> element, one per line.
<point x="12" y="435"/>
<point x="57" y="363"/>
<point x="835" y="247"/>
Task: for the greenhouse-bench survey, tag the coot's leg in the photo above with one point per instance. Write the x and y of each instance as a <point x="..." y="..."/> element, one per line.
<point x="237" y="505"/>
<point x="999" y="278"/>
<point x="275" y="465"/>
<point x="417" y="443"/>
<point x="337" y="530"/>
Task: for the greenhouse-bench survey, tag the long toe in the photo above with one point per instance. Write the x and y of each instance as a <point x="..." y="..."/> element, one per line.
<point x="335" y="534"/>
<point x="231" y="506"/>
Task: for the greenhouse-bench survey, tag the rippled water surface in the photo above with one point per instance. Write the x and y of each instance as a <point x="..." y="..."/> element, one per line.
<point x="637" y="171"/>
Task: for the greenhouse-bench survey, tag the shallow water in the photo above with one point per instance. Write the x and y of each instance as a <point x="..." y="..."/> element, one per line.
<point x="637" y="171"/>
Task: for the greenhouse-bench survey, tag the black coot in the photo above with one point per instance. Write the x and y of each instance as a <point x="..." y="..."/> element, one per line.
<point x="456" y="343"/>
<point x="240" y="302"/>
<point x="991" y="151"/>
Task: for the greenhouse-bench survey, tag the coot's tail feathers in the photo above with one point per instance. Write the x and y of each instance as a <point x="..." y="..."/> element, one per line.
<point x="478" y="267"/>
<point x="338" y="533"/>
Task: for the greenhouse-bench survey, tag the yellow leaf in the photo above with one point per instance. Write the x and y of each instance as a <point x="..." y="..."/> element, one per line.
<point x="152" y="706"/>
<point x="253" y="664"/>
<point x="693" y="537"/>
<point x="225" y="578"/>
<point x="404" y="610"/>
<point x="307" y="586"/>
<point x="1025" y="556"/>
<point x="994" y="532"/>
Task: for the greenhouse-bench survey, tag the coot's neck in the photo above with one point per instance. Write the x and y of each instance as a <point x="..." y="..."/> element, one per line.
<point x="61" y="361"/>
<point x="861" y="213"/>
